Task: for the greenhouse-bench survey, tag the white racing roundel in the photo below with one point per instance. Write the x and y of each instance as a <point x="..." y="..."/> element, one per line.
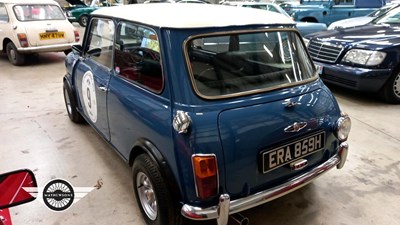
<point x="89" y="96"/>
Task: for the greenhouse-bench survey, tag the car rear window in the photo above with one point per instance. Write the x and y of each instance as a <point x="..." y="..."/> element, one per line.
<point x="38" y="12"/>
<point x="234" y="64"/>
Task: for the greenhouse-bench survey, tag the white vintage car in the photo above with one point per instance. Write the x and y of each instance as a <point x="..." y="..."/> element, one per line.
<point x="33" y="26"/>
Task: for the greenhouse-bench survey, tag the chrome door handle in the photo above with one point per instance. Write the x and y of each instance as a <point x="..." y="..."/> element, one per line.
<point x="103" y="89"/>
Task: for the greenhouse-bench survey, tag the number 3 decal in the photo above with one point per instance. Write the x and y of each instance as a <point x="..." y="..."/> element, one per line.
<point x="89" y="96"/>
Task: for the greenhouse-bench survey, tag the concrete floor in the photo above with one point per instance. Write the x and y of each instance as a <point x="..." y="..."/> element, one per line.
<point x="36" y="133"/>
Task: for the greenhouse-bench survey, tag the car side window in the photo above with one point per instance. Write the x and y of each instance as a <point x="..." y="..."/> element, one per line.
<point x="3" y="13"/>
<point x="137" y="56"/>
<point x="346" y="2"/>
<point x="101" y="41"/>
<point x="272" y="9"/>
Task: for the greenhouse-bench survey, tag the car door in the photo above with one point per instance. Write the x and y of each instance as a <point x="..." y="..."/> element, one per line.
<point x="93" y="73"/>
<point x="138" y="105"/>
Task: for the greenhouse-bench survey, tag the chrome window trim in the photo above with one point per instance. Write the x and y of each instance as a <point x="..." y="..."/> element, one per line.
<point x="244" y="93"/>
<point x="131" y="82"/>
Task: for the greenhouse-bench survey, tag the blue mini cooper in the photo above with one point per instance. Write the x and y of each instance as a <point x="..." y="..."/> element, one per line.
<point x="216" y="114"/>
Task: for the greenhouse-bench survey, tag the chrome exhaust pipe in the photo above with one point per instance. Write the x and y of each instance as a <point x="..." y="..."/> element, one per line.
<point x="238" y="219"/>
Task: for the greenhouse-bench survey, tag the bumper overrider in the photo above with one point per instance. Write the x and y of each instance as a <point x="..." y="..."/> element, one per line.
<point x="227" y="207"/>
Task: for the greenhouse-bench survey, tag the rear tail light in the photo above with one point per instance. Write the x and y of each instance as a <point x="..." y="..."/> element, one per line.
<point x="206" y="175"/>
<point x="23" y="40"/>
<point x="76" y="33"/>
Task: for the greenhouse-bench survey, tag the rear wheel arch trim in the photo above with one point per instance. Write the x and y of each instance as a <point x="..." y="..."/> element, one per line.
<point x="144" y="146"/>
<point x="72" y="88"/>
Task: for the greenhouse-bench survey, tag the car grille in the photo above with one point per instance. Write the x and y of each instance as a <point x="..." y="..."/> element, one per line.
<point x="339" y="80"/>
<point x="324" y="52"/>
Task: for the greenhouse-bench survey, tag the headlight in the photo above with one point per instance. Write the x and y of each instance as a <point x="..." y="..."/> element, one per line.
<point x="69" y="14"/>
<point x="364" y="57"/>
<point x="343" y="126"/>
<point x="306" y="41"/>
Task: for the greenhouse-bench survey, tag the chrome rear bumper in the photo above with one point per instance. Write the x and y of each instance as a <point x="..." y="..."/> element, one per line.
<point x="47" y="48"/>
<point x="226" y="207"/>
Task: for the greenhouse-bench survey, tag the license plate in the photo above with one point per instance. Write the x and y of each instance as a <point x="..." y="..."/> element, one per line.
<point x="291" y="152"/>
<point x="51" y="35"/>
<point x="320" y="69"/>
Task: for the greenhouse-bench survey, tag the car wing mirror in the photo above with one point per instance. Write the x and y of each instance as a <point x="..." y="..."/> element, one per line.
<point x="77" y="49"/>
<point x="94" y="52"/>
<point x="12" y="186"/>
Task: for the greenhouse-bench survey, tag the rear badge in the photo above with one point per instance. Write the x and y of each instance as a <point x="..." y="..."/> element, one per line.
<point x="299" y="164"/>
<point x="296" y="127"/>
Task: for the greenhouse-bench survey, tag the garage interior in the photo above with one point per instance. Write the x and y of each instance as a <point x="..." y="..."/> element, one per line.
<point x="36" y="133"/>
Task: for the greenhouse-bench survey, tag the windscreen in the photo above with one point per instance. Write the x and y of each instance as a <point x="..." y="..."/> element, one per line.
<point x="381" y="11"/>
<point x="392" y="17"/>
<point x="234" y="64"/>
<point x="38" y="12"/>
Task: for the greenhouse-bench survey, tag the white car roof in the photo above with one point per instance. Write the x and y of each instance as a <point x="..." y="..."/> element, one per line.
<point x="191" y="15"/>
<point x="29" y="2"/>
<point x="249" y="3"/>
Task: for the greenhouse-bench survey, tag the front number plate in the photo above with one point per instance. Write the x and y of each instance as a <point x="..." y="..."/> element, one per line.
<point x="293" y="151"/>
<point x="51" y="35"/>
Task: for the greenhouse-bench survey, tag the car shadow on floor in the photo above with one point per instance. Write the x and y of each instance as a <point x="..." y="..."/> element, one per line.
<point x="38" y="59"/>
<point x="298" y="207"/>
<point x="364" y="98"/>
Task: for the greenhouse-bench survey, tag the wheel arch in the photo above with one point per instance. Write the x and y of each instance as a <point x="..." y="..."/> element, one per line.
<point x="71" y="87"/>
<point x="84" y="14"/>
<point x="5" y="42"/>
<point x="384" y="92"/>
<point x="144" y="146"/>
<point x="309" y="19"/>
<point x="66" y="79"/>
<point x="395" y="70"/>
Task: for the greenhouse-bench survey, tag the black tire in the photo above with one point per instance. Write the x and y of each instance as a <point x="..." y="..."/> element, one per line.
<point x="70" y="105"/>
<point x="391" y="90"/>
<point x="83" y="20"/>
<point x="14" y="56"/>
<point x="66" y="52"/>
<point x="149" y="186"/>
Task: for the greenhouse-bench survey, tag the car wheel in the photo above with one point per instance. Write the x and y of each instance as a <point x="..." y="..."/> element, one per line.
<point x="14" y="56"/>
<point x="70" y="105"/>
<point x="391" y="90"/>
<point x="83" y="20"/>
<point x="152" y="194"/>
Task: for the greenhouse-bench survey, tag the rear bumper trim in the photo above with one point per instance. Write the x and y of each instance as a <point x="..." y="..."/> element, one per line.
<point x="48" y="48"/>
<point x="226" y="207"/>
